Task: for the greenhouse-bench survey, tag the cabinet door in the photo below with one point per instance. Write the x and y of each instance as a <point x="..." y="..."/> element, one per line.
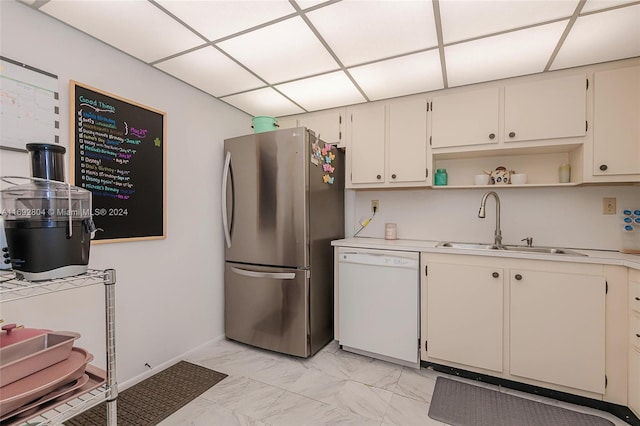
<point x="367" y="124"/>
<point x="634" y="380"/>
<point x="634" y="341"/>
<point x="546" y="109"/>
<point x="465" y="314"/>
<point x="558" y="328"/>
<point x="327" y="124"/>
<point x="408" y="141"/>
<point x="287" y="123"/>
<point x="468" y="118"/>
<point x="616" y="127"/>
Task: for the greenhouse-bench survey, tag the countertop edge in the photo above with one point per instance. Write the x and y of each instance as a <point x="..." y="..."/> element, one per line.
<point x="593" y="256"/>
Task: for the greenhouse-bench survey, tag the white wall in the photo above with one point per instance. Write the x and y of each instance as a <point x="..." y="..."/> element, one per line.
<point x="568" y="217"/>
<point x="169" y="293"/>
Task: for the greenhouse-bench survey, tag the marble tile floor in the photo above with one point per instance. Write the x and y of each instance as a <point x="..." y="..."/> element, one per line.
<point x="334" y="387"/>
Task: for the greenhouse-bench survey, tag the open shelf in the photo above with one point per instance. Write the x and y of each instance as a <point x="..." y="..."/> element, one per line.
<point x="526" y="185"/>
<point x="12" y="288"/>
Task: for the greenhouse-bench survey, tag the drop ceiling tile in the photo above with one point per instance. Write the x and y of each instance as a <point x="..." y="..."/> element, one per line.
<point x="211" y="71"/>
<point x="507" y="55"/>
<point x="601" y="37"/>
<point x="136" y="27"/>
<point x="322" y="92"/>
<point x="463" y="20"/>
<point x="592" y="5"/>
<point x="264" y="101"/>
<point x="362" y="31"/>
<point x="217" y="19"/>
<point x="406" y="75"/>
<point x="280" y="52"/>
<point x="306" y="4"/>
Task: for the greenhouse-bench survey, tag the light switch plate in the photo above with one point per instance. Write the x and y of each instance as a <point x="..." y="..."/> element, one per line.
<point x="608" y="206"/>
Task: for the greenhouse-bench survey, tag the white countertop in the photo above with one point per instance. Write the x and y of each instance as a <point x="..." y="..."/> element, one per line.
<point x="593" y="256"/>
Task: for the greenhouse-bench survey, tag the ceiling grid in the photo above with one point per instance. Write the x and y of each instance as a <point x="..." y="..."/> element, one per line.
<point x="283" y="57"/>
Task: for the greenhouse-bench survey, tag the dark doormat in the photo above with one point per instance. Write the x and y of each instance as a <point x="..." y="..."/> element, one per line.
<point x="462" y="404"/>
<point x="154" y="399"/>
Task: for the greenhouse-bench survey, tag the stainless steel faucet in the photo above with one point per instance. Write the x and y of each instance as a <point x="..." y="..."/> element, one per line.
<point x="482" y="214"/>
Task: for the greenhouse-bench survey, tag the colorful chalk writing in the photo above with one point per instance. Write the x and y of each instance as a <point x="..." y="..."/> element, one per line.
<point x="119" y="156"/>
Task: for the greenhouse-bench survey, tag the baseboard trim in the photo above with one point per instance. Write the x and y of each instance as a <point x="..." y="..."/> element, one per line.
<point x="156" y="369"/>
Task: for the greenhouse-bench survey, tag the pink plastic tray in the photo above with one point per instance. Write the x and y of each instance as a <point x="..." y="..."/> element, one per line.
<point x="34" y="354"/>
<point x="36" y="385"/>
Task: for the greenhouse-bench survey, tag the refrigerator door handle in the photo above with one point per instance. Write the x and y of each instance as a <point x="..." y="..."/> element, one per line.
<point x="225" y="220"/>
<point x="273" y="275"/>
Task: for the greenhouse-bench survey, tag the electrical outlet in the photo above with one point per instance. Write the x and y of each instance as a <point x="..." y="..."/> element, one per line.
<point x="375" y="206"/>
<point x="608" y="206"/>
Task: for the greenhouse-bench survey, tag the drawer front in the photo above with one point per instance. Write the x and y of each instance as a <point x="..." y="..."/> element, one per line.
<point x="634" y="296"/>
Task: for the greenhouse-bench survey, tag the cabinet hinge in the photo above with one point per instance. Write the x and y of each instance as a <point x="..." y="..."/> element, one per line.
<point x="586" y="126"/>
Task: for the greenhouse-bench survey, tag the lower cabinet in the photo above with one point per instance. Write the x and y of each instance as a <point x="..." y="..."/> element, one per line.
<point x="526" y="320"/>
<point x="464" y="314"/>
<point x="557" y="328"/>
<point x="634" y="342"/>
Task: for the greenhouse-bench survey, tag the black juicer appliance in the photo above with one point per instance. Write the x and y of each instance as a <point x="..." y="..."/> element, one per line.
<point x="48" y="223"/>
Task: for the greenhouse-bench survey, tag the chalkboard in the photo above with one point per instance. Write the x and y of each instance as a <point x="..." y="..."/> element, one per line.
<point x="118" y="152"/>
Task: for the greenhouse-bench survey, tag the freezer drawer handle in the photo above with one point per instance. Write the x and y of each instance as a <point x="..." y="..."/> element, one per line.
<point x="274" y="275"/>
<point x="225" y="221"/>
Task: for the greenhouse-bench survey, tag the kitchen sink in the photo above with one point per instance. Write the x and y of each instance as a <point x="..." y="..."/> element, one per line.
<point x="523" y="249"/>
<point x="474" y="246"/>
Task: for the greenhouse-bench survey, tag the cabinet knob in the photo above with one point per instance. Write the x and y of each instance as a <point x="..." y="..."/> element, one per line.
<point x="518" y="277"/>
<point x="603" y="167"/>
<point x="393" y="176"/>
<point x="495" y="275"/>
<point x="492" y="135"/>
<point x="637" y="298"/>
<point x="512" y="134"/>
<point x="378" y="177"/>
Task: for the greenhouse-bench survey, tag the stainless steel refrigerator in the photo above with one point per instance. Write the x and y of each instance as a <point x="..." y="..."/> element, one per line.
<point x="283" y="204"/>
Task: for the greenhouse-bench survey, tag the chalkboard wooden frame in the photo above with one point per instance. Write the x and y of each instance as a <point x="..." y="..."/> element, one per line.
<point x="113" y="141"/>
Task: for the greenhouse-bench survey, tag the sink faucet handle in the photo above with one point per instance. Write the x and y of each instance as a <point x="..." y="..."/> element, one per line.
<point x="529" y="241"/>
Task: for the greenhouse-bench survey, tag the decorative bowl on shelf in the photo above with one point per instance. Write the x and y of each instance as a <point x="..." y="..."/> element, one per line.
<point x="518" y="178"/>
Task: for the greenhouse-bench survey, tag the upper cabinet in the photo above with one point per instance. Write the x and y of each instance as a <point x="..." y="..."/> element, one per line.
<point x="616" y="128"/>
<point x="465" y="118"/>
<point x="408" y="142"/>
<point x="366" y="144"/>
<point x="327" y="124"/>
<point x="387" y="144"/>
<point x="549" y="109"/>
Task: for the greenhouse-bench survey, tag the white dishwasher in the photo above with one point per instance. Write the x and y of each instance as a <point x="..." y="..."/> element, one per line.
<point x="379" y="304"/>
